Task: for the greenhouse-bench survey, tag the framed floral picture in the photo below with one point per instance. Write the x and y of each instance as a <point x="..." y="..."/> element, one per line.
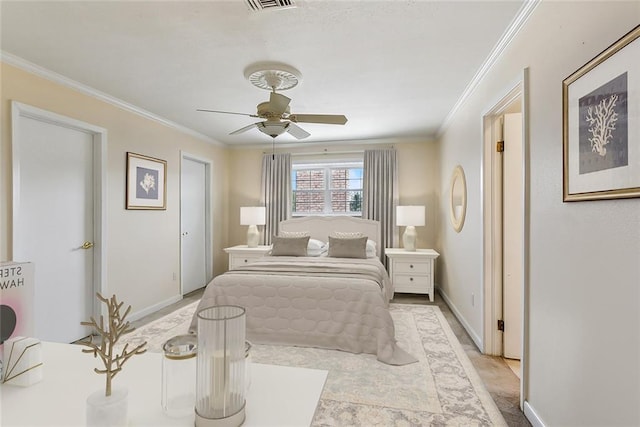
<point x="146" y="182"/>
<point x="601" y="124"/>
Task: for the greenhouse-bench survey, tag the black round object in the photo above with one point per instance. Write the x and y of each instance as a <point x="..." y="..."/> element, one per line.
<point x="7" y="322"/>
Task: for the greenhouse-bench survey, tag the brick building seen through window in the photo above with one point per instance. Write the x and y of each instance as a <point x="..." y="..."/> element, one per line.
<point x="332" y="189"/>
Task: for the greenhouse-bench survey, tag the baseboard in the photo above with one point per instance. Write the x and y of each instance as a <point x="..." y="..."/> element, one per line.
<point x="152" y="309"/>
<point x="532" y="415"/>
<point x="476" y="339"/>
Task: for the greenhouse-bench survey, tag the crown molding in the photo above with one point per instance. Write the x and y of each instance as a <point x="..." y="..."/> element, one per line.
<point x="39" y="71"/>
<point x="507" y="37"/>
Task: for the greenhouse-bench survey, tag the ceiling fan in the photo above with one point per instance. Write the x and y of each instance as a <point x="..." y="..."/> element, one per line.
<point x="276" y="112"/>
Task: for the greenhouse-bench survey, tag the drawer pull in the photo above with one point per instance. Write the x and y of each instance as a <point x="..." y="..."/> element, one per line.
<point x="411" y="266"/>
<point x="411" y="279"/>
<point x="246" y="260"/>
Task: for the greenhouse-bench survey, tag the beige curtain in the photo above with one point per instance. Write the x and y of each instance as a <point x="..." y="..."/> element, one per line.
<point x="276" y="191"/>
<point x="381" y="196"/>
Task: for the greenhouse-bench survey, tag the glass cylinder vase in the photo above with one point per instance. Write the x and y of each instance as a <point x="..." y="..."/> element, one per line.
<point x="220" y="380"/>
<point x="179" y="375"/>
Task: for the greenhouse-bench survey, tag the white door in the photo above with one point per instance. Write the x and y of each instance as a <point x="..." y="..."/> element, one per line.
<point x="53" y="218"/>
<point x="193" y="214"/>
<point x="513" y="234"/>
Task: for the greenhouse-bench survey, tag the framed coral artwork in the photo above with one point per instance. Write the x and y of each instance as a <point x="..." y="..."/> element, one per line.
<point x="601" y="124"/>
<point x="146" y="182"/>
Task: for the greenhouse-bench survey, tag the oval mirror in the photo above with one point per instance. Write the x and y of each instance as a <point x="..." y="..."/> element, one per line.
<point x="458" y="198"/>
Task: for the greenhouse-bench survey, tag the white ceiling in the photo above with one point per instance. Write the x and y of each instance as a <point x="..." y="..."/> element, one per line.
<point x="395" y="68"/>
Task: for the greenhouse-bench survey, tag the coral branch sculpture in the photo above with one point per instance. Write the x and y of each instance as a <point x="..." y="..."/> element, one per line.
<point x="108" y="336"/>
<point x="602" y="122"/>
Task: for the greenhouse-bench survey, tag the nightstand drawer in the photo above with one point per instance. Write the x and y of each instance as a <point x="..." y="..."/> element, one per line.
<point x="236" y="261"/>
<point x="411" y="267"/>
<point x="417" y="284"/>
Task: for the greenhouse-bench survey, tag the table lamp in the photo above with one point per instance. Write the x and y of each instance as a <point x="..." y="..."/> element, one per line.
<point x="253" y="216"/>
<point x="410" y="217"/>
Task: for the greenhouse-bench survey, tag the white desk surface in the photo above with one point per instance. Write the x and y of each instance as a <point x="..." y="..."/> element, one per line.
<point x="279" y="395"/>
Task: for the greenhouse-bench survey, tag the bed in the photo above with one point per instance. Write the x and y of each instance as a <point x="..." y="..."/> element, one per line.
<point x="326" y="301"/>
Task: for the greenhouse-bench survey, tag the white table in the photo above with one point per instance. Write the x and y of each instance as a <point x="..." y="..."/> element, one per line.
<point x="279" y="395"/>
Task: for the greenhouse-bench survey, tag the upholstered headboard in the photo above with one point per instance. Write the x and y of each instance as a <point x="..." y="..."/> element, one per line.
<point x="320" y="227"/>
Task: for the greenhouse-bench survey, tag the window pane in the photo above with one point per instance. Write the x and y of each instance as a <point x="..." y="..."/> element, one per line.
<point x="346" y="202"/>
<point x="308" y="202"/>
<point x="309" y="179"/>
<point x="327" y="189"/>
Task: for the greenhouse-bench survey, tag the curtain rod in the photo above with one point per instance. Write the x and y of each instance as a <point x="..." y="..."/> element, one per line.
<point x="317" y="153"/>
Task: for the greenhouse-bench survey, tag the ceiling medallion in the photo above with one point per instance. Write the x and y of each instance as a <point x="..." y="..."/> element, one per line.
<point x="271" y="77"/>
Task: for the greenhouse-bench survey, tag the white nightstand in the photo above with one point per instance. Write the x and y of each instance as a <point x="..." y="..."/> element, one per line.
<point x="412" y="271"/>
<point x="243" y="255"/>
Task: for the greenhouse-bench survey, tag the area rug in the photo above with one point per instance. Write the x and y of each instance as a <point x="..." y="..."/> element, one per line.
<point x="442" y="389"/>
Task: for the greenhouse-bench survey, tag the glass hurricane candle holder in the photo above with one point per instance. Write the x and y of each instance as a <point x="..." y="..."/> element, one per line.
<point x="220" y="380"/>
<point x="179" y="375"/>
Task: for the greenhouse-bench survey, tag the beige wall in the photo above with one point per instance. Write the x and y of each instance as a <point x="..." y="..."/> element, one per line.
<point x="143" y="247"/>
<point x="418" y="181"/>
<point x="583" y="283"/>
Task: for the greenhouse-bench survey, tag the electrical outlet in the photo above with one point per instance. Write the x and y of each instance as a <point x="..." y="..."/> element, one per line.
<point x="473" y="300"/>
<point x="175" y="276"/>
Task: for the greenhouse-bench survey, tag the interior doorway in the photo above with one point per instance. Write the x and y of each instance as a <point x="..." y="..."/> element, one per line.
<point x="58" y="212"/>
<point x="504" y="229"/>
<point x="195" y="223"/>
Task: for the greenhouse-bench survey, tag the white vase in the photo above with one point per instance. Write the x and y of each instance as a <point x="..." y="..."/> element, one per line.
<point x="108" y="411"/>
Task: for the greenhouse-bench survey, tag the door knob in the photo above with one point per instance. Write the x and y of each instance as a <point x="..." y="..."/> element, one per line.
<point x="87" y="245"/>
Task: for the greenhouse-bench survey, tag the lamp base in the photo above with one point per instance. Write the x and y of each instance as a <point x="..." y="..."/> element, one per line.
<point x="409" y="238"/>
<point x="253" y="235"/>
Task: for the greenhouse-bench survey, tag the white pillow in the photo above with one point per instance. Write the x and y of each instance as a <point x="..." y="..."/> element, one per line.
<point x="316" y="247"/>
<point x="371" y="249"/>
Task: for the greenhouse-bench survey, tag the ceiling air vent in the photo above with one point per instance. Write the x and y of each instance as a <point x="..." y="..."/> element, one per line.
<point x="258" y="5"/>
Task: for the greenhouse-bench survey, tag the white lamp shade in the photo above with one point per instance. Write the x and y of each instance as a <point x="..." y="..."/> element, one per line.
<point x="410" y="215"/>
<point x="253" y="215"/>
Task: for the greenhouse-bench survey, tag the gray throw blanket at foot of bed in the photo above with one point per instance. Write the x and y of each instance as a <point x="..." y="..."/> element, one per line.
<point x="344" y="312"/>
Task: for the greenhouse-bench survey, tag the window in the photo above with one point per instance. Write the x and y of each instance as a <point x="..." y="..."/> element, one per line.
<point x="327" y="188"/>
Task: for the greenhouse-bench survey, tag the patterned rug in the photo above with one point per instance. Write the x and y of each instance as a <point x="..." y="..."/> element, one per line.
<point x="442" y="389"/>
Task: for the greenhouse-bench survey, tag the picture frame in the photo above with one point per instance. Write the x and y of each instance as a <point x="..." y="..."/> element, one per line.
<point x="146" y="182"/>
<point x="601" y="124"/>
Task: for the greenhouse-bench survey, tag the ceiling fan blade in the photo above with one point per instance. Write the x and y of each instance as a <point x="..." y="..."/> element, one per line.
<point x="297" y="131"/>
<point x="227" y="112"/>
<point x="329" y="119"/>
<point x="278" y="103"/>
<point x="244" y="129"/>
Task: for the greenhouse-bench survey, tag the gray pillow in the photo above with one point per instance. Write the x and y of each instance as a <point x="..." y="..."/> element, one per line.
<point x="289" y="246"/>
<point x="348" y="248"/>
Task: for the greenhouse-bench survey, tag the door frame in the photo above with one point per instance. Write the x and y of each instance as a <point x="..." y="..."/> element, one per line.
<point x="492" y="247"/>
<point x="99" y="140"/>
<point x="207" y="216"/>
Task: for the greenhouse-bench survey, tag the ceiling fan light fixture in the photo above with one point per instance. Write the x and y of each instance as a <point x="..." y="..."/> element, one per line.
<point x="272" y="129"/>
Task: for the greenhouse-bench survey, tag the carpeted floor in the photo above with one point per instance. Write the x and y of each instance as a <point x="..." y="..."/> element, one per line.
<point x="441" y="389"/>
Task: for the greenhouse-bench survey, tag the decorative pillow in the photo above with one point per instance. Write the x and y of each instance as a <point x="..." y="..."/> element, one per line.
<point x="371" y="249"/>
<point x="294" y="234"/>
<point x="316" y="247"/>
<point x="346" y="234"/>
<point x="289" y="246"/>
<point x="348" y="248"/>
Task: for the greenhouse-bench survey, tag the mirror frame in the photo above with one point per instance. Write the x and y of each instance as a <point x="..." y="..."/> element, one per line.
<point x="458" y="175"/>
